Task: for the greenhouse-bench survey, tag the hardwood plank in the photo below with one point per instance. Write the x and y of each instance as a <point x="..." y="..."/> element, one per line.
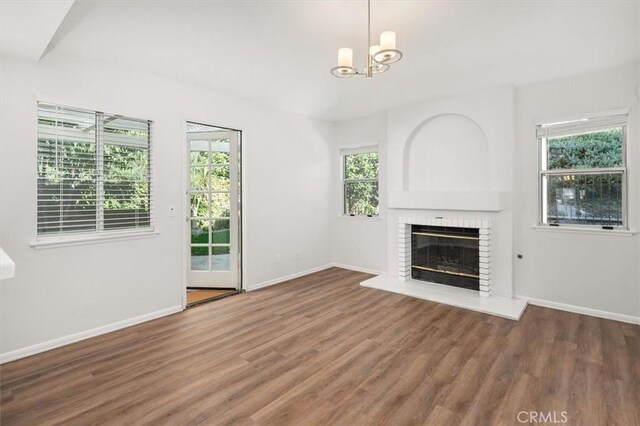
<point x="322" y="350"/>
<point x="194" y="296"/>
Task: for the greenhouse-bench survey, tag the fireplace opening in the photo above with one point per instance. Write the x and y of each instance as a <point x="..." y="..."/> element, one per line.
<point x="446" y="255"/>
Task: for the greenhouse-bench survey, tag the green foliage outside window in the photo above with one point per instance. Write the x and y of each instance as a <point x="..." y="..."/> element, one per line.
<point x="210" y="172"/>
<point x="361" y="183"/>
<point x="69" y="176"/>
<point x="592" y="198"/>
<point x="587" y="150"/>
<point x="125" y="178"/>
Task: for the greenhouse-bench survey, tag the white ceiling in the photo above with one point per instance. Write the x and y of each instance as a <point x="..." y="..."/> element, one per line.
<point x="280" y="52"/>
<point x="26" y="27"/>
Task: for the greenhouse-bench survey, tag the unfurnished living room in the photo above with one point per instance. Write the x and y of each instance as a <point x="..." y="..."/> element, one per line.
<point x="319" y="212"/>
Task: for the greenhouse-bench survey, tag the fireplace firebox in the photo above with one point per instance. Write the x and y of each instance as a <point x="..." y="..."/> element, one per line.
<point x="446" y="255"/>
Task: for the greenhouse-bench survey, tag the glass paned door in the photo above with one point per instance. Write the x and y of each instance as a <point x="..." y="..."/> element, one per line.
<point x="213" y="207"/>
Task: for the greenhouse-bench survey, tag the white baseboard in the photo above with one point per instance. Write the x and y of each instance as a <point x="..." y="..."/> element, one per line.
<point x="72" y="338"/>
<point x="288" y="277"/>
<point x="357" y="268"/>
<point x="581" y="310"/>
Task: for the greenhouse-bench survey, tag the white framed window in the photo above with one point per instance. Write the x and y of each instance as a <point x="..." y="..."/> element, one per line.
<point x="360" y="168"/>
<point x="583" y="172"/>
<point x="94" y="172"/>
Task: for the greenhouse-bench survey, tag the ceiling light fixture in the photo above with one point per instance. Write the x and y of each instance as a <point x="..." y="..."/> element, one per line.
<point x="378" y="56"/>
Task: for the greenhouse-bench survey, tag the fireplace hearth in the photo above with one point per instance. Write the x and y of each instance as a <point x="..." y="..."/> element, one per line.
<point x="446" y="255"/>
<point x="482" y="300"/>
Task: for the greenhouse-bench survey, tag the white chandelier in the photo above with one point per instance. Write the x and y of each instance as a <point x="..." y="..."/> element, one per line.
<point x="378" y="58"/>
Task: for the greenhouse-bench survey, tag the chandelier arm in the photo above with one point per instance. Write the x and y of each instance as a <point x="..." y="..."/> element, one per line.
<point x="387" y="56"/>
<point x="369" y="64"/>
<point x="344" y="71"/>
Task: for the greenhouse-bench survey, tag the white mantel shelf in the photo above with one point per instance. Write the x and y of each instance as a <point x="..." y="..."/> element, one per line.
<point x="505" y="307"/>
<point x="489" y="201"/>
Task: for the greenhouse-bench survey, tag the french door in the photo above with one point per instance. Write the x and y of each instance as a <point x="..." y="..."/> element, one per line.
<point x="214" y="221"/>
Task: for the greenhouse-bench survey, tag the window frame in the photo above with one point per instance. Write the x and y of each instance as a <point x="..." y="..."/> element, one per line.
<point x="621" y="170"/>
<point x="346" y="151"/>
<point x="99" y="233"/>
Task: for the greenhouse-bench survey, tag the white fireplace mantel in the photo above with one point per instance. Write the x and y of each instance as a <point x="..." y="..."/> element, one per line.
<point x="490" y="201"/>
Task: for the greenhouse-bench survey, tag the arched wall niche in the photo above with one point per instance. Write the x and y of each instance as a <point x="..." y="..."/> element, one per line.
<point x="446" y="152"/>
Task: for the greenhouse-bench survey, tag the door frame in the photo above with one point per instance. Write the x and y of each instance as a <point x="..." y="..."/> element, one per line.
<point x="186" y="208"/>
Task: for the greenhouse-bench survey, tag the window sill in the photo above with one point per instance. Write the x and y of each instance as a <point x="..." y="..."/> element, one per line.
<point x="345" y="217"/>
<point x="68" y="241"/>
<point x="576" y="230"/>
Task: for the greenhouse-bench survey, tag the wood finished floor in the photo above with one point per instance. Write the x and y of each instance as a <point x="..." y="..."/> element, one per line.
<point x="195" y="296"/>
<point x="323" y="350"/>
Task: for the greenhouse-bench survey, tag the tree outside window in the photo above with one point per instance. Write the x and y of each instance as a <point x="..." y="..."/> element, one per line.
<point x="582" y="173"/>
<point x="361" y="183"/>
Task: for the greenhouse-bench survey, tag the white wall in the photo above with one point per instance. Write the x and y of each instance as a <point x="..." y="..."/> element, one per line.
<point x="61" y="291"/>
<point x="447" y="152"/>
<point x="590" y="271"/>
<point x="359" y="242"/>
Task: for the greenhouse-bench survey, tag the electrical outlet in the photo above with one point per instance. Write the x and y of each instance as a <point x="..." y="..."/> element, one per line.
<point x="297" y="255"/>
<point x="277" y="257"/>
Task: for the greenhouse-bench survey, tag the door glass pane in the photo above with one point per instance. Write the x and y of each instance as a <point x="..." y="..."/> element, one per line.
<point x="220" y="178"/>
<point x="199" y="258"/>
<point x="199" y="178"/>
<point x="220" y="151"/>
<point x="199" y="204"/>
<point x="220" y="231"/>
<point x="199" y="153"/>
<point x="220" y="205"/>
<point x="220" y="259"/>
<point x="199" y="231"/>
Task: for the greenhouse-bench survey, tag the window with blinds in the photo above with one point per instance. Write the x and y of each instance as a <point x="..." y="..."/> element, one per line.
<point x="582" y="171"/>
<point x="94" y="171"/>
<point x="360" y="180"/>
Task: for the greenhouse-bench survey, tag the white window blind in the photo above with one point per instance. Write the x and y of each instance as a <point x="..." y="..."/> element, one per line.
<point x="358" y="149"/>
<point x="94" y="171"/>
<point x="581" y="126"/>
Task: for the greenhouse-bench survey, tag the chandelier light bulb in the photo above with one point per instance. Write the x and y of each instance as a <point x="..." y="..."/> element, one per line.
<point x="345" y="57"/>
<point x="374" y="49"/>
<point x="388" y="40"/>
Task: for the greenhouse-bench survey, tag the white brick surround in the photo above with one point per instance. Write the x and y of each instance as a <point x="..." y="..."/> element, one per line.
<point x="404" y="245"/>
